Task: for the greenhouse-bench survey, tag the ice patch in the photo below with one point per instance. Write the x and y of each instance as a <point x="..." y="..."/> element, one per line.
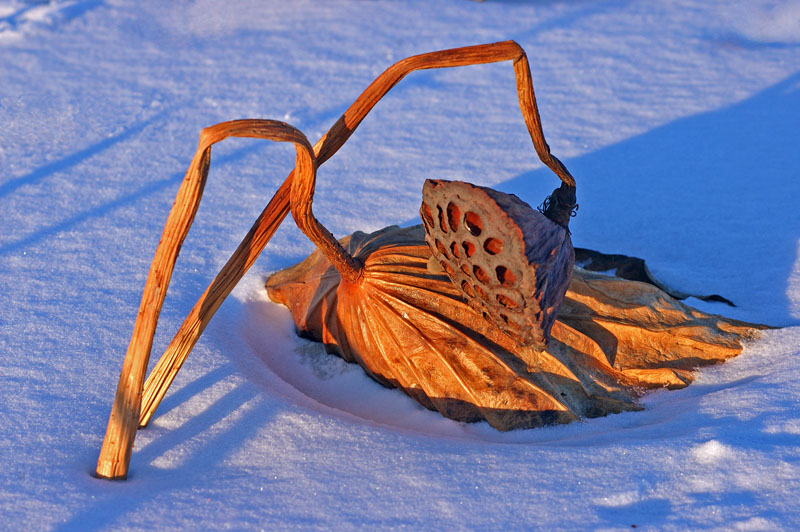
<point x="18" y="18"/>
<point x="711" y="452"/>
<point x="754" y="524"/>
<point x="625" y="498"/>
<point x="789" y="426"/>
<point x="793" y="288"/>
<point x="772" y="22"/>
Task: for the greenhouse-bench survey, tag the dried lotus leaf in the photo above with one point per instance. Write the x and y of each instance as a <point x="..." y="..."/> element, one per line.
<point x="410" y="328"/>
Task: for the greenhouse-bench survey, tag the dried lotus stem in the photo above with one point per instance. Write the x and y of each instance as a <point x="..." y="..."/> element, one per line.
<point x="167" y="367"/>
<point x="123" y="422"/>
<point x="468" y="55"/>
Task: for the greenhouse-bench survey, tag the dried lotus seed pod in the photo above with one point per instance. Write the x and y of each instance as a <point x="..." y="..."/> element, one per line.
<point x="511" y="263"/>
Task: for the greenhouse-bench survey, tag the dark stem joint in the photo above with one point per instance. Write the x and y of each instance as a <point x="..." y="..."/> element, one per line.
<point x="560" y="206"/>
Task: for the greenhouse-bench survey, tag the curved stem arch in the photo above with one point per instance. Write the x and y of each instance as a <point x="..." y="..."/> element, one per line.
<point x="123" y="422"/>
<point x="338" y="134"/>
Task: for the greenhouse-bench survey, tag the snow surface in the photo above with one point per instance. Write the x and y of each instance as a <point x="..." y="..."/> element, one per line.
<point x="679" y="119"/>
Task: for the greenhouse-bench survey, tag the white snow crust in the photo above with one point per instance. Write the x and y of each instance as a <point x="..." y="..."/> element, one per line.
<point x="680" y="121"/>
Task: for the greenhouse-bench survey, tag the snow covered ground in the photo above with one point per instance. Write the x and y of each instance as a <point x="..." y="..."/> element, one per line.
<point x="680" y="121"/>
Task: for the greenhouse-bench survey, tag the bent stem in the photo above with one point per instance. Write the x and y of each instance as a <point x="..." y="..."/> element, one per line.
<point x="166" y="369"/>
<point x="338" y="134"/>
<point x="123" y="422"/>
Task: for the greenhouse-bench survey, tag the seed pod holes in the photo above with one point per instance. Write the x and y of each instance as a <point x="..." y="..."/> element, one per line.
<point x="493" y="243"/>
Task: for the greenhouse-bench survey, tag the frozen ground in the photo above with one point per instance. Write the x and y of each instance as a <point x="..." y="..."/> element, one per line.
<point x="680" y="121"/>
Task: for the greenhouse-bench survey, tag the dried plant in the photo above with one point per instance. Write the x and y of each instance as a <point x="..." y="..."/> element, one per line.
<point x="461" y="323"/>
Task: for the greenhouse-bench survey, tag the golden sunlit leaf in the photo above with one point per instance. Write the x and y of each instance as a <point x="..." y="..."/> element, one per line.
<point x="410" y="328"/>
